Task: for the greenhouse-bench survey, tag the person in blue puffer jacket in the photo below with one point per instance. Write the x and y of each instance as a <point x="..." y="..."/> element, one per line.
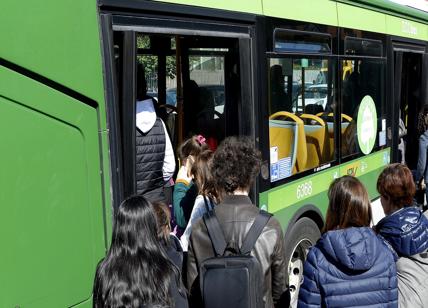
<point x="406" y="230"/>
<point x="350" y="266"/>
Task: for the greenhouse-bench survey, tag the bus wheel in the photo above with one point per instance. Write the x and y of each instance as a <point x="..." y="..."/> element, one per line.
<point x="303" y="235"/>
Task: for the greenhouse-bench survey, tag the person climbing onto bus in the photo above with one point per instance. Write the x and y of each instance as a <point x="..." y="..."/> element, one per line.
<point x="169" y="241"/>
<point x="207" y="195"/>
<point x="349" y="266"/>
<point x="235" y="165"/>
<point x="136" y="271"/>
<point x="405" y="228"/>
<point x="421" y="169"/>
<point x="155" y="161"/>
<point x="185" y="191"/>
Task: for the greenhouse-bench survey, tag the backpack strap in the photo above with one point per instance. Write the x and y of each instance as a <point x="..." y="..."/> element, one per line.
<point x="215" y="233"/>
<point x="255" y="231"/>
<point x="206" y="203"/>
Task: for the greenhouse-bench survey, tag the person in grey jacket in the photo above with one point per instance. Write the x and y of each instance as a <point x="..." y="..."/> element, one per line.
<point x="235" y="165"/>
<point x="405" y="228"/>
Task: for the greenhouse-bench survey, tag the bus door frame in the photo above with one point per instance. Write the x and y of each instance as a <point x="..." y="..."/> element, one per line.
<point x="397" y="46"/>
<point x="122" y="132"/>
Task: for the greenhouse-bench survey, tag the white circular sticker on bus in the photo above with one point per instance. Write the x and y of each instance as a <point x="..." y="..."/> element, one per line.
<point x="367" y="124"/>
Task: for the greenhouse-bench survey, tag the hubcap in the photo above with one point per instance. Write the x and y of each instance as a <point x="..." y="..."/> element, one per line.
<point x="295" y="269"/>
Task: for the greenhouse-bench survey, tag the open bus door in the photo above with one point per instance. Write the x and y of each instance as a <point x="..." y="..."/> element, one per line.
<point x="409" y="97"/>
<point x="175" y="54"/>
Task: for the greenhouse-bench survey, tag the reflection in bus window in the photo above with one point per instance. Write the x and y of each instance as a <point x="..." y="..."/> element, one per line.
<point x="301" y="121"/>
<point x="363" y="105"/>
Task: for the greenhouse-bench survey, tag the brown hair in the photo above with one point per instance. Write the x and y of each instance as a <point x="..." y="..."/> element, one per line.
<point x="396" y="184"/>
<point x="348" y="206"/>
<point x="201" y="171"/>
<point x="192" y="146"/>
<point x="163" y="218"/>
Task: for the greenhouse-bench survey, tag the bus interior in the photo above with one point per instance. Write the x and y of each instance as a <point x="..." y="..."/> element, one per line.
<point x="410" y="96"/>
<point x="194" y="81"/>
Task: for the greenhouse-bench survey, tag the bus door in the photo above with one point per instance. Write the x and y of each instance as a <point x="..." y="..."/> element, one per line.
<point x="197" y="75"/>
<point x="409" y="96"/>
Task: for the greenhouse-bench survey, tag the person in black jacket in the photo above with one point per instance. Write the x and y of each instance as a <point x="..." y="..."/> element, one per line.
<point x="155" y="161"/>
<point x="137" y="271"/>
<point x="406" y="229"/>
<point x="235" y="165"/>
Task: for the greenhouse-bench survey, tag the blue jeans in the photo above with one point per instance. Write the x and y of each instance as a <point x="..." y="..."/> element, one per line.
<point x="421" y="170"/>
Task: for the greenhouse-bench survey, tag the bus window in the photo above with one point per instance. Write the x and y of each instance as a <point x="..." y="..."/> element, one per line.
<point x="301" y="121"/>
<point x="363" y="125"/>
<point x="207" y="76"/>
<point x="180" y="84"/>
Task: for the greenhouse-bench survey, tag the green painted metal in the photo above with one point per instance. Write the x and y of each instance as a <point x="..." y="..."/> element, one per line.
<point x="319" y="11"/>
<point x="60" y="40"/>
<point x="358" y="18"/>
<point x="407" y="28"/>
<point x="247" y="6"/>
<point x="391" y="8"/>
<point x="51" y="215"/>
<point x="285" y="200"/>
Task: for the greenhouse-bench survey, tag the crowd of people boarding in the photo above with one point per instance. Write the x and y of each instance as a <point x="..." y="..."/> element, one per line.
<point x="206" y="245"/>
<point x="353" y="264"/>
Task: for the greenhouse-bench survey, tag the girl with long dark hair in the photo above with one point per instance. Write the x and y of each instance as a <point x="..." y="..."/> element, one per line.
<point x="136" y="271"/>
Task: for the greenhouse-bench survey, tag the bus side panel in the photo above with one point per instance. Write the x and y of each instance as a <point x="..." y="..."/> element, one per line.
<point x="51" y="216"/>
<point x="319" y="11"/>
<point x="248" y="6"/>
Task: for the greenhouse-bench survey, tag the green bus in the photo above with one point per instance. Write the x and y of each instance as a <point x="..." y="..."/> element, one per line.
<point x="319" y="86"/>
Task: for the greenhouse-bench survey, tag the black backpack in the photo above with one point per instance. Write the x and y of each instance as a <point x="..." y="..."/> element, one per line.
<point x="236" y="279"/>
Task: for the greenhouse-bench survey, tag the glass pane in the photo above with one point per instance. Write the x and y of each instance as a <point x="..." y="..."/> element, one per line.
<point x="206" y="86"/>
<point x="301" y="122"/>
<point x="299" y="41"/>
<point x="363" y="47"/>
<point x="363" y="110"/>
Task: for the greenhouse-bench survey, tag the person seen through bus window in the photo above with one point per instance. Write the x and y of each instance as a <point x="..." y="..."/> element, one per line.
<point x="235" y="166"/>
<point x="206" y="199"/>
<point x="279" y="100"/>
<point x="155" y="161"/>
<point x="185" y="190"/>
<point x="406" y="229"/>
<point x="136" y="271"/>
<point x="350" y="266"/>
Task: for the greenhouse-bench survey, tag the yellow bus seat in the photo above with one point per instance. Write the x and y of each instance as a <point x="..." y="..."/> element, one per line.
<point x="286" y="131"/>
<point x="345" y="121"/>
<point x="316" y="141"/>
<point x="344" y="116"/>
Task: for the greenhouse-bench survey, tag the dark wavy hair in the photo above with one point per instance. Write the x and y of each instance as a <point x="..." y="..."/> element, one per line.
<point x="236" y="163"/>
<point x="201" y="171"/>
<point x="348" y="206"/>
<point x="396" y="184"/>
<point x="136" y="271"/>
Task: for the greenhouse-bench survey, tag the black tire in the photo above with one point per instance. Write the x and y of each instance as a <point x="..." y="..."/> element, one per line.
<point x="301" y="237"/>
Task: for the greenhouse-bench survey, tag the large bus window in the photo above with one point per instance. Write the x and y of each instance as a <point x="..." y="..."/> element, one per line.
<point x="301" y="121"/>
<point x="363" y="127"/>
<point x="207" y="79"/>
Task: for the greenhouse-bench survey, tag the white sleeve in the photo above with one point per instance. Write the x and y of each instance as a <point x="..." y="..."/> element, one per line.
<point x="198" y="211"/>
<point x="169" y="160"/>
